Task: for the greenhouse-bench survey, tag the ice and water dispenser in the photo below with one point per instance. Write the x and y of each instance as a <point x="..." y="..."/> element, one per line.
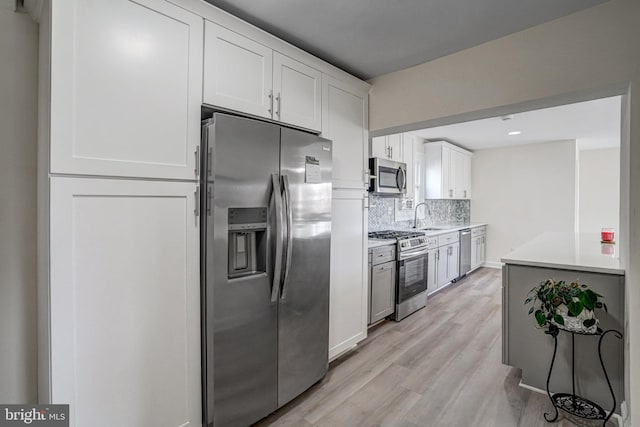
<point x="247" y="241"/>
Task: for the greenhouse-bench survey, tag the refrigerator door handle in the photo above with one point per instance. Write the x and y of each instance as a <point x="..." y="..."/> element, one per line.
<point x="289" y="247"/>
<point x="277" y="265"/>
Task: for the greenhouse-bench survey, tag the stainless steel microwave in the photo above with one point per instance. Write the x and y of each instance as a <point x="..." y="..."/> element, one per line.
<point x="387" y="177"/>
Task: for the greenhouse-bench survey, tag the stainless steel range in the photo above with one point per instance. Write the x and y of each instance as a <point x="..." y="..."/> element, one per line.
<point x="412" y="264"/>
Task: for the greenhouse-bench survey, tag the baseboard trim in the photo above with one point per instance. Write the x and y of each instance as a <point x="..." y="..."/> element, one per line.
<point x="492" y="264"/>
<point x="615" y="416"/>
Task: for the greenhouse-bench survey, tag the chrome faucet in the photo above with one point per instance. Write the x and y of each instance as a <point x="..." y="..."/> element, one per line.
<point x="415" y="215"/>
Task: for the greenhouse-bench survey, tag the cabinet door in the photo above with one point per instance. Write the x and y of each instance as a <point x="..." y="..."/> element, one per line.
<point x="483" y="250"/>
<point x="407" y="157"/>
<point x="349" y="290"/>
<point x="466" y="176"/>
<point x="456" y="174"/>
<point x="394" y="143"/>
<point x="383" y="280"/>
<point x="475" y="251"/>
<point x="379" y="147"/>
<point x="238" y="72"/>
<point x="125" y="302"/>
<point x="432" y="271"/>
<point x="126" y="88"/>
<point x="297" y="91"/>
<point x="344" y="121"/>
<point x="448" y="175"/>
<point x="453" y="261"/>
<point x="434" y="178"/>
<point x="443" y="265"/>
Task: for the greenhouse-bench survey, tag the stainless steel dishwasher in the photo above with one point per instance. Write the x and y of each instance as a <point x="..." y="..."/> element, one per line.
<point x="465" y="252"/>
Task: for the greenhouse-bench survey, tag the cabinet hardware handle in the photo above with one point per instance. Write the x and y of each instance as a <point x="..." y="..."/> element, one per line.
<point x="391" y="148"/>
<point x="279" y="100"/>
<point x="197" y="156"/>
<point x="271" y="103"/>
<point x="196" y="196"/>
<point x="450" y="193"/>
<point x="465" y="194"/>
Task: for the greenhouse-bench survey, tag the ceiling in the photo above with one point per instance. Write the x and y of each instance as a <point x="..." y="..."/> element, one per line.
<point x="594" y="124"/>
<point x="369" y="38"/>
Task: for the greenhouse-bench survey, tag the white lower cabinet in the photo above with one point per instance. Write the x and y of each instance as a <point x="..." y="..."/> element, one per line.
<point x="348" y="292"/>
<point x="432" y="270"/>
<point x="124" y="302"/>
<point x="478" y="246"/>
<point x="448" y="261"/>
<point x="453" y="261"/>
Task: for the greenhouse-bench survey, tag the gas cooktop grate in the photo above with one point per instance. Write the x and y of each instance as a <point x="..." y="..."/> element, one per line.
<point x="393" y="234"/>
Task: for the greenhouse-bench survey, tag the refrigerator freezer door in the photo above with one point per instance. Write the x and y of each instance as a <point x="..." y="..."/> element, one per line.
<point x="303" y="335"/>
<point x="241" y="319"/>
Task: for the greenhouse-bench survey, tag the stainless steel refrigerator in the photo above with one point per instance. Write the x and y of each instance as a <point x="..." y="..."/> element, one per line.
<point x="265" y="246"/>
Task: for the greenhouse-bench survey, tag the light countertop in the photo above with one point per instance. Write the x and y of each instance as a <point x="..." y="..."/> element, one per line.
<point x="448" y="229"/>
<point x="571" y="251"/>
<point x="374" y="243"/>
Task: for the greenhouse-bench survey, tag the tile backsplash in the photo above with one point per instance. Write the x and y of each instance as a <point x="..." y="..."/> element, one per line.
<point x="386" y="212"/>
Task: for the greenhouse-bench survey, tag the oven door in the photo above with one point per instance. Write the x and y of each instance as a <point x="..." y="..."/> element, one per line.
<point x="412" y="275"/>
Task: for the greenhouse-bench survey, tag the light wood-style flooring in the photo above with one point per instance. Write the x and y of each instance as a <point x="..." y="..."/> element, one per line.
<point x="439" y="367"/>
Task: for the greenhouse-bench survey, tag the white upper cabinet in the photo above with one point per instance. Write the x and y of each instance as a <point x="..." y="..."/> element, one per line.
<point x="460" y="173"/>
<point x="244" y="75"/>
<point x="126" y="89"/>
<point x="394" y="142"/>
<point x="238" y="72"/>
<point x="387" y="147"/>
<point x="297" y="89"/>
<point x="448" y="171"/>
<point x="379" y="147"/>
<point x="345" y="123"/>
<point x="408" y="142"/>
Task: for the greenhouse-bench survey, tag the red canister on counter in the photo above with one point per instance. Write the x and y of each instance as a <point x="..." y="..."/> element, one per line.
<point x="606" y="235"/>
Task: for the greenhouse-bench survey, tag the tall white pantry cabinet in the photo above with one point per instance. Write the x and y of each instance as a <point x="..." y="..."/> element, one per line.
<point x="121" y="89"/>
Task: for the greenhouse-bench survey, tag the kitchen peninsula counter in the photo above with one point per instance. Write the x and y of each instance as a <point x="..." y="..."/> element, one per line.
<point x="568" y="257"/>
<point x="571" y="251"/>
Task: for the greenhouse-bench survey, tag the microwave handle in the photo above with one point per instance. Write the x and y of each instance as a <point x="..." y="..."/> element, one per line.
<point x="402" y="184"/>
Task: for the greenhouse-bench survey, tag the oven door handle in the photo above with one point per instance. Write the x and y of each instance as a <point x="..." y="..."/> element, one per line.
<point x="409" y="255"/>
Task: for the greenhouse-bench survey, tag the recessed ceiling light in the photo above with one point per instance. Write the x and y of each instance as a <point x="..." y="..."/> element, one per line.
<point x="515" y="132"/>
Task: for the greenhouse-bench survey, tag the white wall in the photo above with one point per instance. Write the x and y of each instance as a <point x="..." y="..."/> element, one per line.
<point x="522" y="192"/>
<point x="599" y="189"/>
<point x="18" y="103"/>
<point x="587" y="54"/>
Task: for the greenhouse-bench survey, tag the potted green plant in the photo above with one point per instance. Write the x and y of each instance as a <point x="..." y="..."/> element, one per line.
<point x="566" y="305"/>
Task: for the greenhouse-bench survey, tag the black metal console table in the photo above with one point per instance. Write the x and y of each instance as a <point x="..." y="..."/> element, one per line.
<point x="570" y="402"/>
